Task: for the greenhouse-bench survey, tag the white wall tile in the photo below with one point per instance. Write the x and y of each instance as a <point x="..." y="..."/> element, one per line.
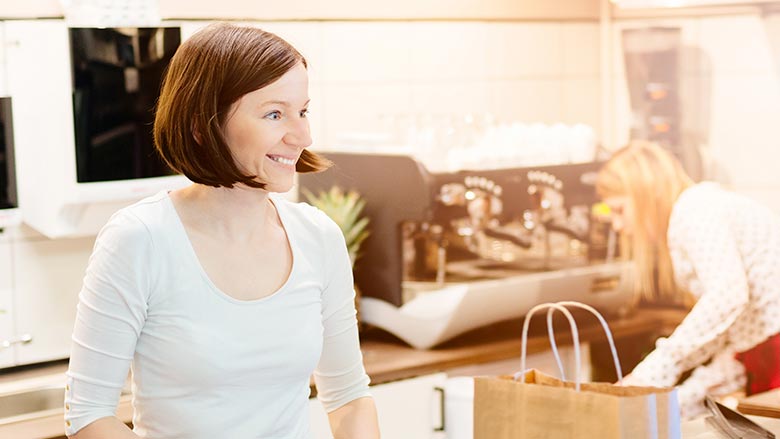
<point x="448" y="51"/>
<point x="188" y="28"/>
<point x="581" y="46"/>
<point x="367" y="52"/>
<point x="771" y="27"/>
<point x="306" y="37"/>
<point x="523" y="50"/>
<point x="743" y="130"/>
<point x="735" y="44"/>
<point x="361" y="108"/>
<point x="582" y="102"/>
<point x="621" y="111"/>
<point x="317" y="114"/>
<point x="528" y="100"/>
<point x="765" y="195"/>
<point x="460" y="97"/>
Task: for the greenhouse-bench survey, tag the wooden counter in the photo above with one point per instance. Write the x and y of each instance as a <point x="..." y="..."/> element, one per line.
<point x="388" y="359"/>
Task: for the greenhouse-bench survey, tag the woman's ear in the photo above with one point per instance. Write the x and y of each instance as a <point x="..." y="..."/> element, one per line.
<point x="196" y="134"/>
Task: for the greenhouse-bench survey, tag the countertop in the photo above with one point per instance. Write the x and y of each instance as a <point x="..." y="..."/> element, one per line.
<point x="699" y="428"/>
<point x="386" y="359"/>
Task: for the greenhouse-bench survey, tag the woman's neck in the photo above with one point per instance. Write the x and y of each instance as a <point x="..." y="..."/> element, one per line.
<point x="235" y="213"/>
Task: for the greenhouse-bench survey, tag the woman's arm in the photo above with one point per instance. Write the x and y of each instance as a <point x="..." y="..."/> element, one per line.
<point x="110" y="315"/>
<point x="721" y="376"/>
<point x="711" y="247"/>
<point x="105" y="427"/>
<point x="355" y="420"/>
<point x="342" y="382"/>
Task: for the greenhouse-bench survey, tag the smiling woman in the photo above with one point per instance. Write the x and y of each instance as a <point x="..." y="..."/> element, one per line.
<point x="218" y="82"/>
<point x="266" y="135"/>
<point x="223" y="297"/>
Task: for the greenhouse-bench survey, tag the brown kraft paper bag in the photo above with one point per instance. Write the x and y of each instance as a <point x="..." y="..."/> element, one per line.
<point x="546" y="407"/>
<point x="541" y="406"/>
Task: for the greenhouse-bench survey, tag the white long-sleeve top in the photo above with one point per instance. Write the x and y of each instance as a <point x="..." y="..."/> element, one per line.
<point x="725" y="249"/>
<point x="206" y="365"/>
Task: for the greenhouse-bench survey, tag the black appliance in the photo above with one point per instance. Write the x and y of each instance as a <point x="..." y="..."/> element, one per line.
<point x="462" y="226"/>
<point x="7" y="172"/>
<point x="117" y="73"/>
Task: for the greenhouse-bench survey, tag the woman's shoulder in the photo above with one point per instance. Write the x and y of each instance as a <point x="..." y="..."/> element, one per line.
<point x="141" y="219"/>
<point x="304" y="217"/>
<point x="699" y="204"/>
<point x="699" y="192"/>
<point x="700" y="199"/>
<point x="709" y="198"/>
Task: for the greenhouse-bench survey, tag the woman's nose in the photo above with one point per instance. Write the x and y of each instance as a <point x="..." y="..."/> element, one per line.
<point x="298" y="134"/>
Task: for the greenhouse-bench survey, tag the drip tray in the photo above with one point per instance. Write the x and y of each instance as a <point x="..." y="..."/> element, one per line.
<point x="436" y="312"/>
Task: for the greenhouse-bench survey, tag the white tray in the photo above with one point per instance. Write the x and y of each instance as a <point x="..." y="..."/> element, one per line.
<point x="440" y="314"/>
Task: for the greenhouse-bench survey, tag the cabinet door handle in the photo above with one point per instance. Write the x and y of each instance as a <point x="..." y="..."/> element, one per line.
<point x="440" y="390"/>
<point x="22" y="339"/>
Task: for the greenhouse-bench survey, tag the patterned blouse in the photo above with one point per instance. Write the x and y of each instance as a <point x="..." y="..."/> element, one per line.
<point x="725" y="249"/>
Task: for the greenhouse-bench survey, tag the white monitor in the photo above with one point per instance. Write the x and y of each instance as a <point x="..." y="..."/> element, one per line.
<point x="83" y="101"/>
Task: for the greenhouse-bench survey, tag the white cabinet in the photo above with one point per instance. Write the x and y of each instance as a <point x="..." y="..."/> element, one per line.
<point x="408" y="409"/>
<point x="47" y="276"/>
<point x="412" y="408"/>
<point x="6" y="302"/>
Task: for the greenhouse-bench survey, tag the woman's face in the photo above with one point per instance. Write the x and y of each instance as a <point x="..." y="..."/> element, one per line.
<point x="621" y="212"/>
<point x="267" y="129"/>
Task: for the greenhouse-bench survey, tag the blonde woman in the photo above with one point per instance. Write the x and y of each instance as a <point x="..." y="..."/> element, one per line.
<point x="700" y="244"/>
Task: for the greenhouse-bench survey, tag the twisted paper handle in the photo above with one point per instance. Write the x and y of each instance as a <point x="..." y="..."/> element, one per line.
<point x="561" y="306"/>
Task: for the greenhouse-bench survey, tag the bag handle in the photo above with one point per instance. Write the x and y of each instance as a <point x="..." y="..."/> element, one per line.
<point x="553" y="344"/>
<point x="561" y="306"/>
<point x="607" y="332"/>
<point x="574" y="336"/>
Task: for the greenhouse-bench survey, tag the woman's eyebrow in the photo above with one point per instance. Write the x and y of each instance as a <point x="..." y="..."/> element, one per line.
<point x="283" y="103"/>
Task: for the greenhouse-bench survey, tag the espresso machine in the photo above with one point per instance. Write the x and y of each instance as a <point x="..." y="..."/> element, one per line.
<point x="449" y="252"/>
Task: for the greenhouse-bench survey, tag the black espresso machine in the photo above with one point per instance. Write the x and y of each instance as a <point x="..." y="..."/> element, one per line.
<point x="448" y="252"/>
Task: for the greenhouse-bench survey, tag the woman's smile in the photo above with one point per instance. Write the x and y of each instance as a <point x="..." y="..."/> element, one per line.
<point x="282" y="161"/>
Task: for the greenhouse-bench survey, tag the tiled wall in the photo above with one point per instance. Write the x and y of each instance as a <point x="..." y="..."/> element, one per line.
<point x="363" y="72"/>
<point x="730" y="72"/>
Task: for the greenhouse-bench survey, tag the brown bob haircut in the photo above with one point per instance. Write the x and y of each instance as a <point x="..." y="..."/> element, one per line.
<point x="208" y="73"/>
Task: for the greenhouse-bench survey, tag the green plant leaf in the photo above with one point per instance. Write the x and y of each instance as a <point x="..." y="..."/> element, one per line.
<point x="355" y="208"/>
<point x="345" y="209"/>
<point x="354" y="233"/>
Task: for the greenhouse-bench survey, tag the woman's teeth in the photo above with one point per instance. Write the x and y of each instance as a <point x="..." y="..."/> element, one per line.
<point x="282" y="160"/>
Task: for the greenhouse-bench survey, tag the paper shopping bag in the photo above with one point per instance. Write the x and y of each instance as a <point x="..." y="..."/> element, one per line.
<point x="546" y="407"/>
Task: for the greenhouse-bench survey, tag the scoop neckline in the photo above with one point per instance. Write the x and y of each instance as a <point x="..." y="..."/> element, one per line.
<point x="193" y="256"/>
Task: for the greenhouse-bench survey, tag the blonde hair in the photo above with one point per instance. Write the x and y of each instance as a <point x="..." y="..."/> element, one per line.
<point x="652" y="179"/>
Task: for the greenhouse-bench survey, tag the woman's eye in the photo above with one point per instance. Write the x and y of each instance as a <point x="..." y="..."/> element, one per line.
<point x="305" y="113"/>
<point x="274" y="115"/>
